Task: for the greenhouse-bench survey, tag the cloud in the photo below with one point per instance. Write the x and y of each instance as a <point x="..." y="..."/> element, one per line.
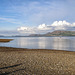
<point x="60" y="23"/>
<point x="22" y="28"/>
<point x="26" y="30"/>
<point x="43" y="28"/>
<point x="40" y="29"/>
<point x="43" y="10"/>
<point x="11" y="20"/>
<point x="72" y="25"/>
<point x="63" y="25"/>
<point x="39" y="11"/>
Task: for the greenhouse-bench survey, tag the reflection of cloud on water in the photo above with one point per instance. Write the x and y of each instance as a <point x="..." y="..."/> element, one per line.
<point x="51" y="43"/>
<point x="21" y="42"/>
<point x="27" y="42"/>
<point x="42" y="42"/>
<point x="62" y="43"/>
<point x="32" y="42"/>
<point x="58" y="43"/>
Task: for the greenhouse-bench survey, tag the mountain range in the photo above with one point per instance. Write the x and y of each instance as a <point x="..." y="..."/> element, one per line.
<point x="56" y="33"/>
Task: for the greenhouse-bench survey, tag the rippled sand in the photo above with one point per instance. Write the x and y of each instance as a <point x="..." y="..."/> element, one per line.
<point x="16" y="61"/>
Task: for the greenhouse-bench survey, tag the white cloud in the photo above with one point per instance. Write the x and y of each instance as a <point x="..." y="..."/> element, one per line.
<point x="43" y="28"/>
<point x="73" y="24"/>
<point x="60" y="23"/>
<point x="26" y="29"/>
<point x="22" y="28"/>
<point x="60" y="28"/>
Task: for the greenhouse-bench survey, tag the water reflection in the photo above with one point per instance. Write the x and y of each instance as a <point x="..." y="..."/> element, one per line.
<point x="42" y="42"/>
<point x="63" y="43"/>
<point x="27" y="42"/>
<point x="60" y="43"/>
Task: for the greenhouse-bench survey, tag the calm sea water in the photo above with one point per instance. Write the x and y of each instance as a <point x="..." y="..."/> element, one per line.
<point x="59" y="43"/>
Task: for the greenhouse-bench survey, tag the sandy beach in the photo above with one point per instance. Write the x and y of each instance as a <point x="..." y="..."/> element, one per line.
<point x="17" y="61"/>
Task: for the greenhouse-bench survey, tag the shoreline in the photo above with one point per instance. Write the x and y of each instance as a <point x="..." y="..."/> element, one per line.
<point x="21" y="61"/>
<point x="26" y="49"/>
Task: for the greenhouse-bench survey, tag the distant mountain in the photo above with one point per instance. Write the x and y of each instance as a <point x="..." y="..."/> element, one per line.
<point x="36" y="35"/>
<point x="56" y="33"/>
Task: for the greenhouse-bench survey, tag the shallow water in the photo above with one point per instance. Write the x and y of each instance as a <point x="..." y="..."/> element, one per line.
<point x="59" y="43"/>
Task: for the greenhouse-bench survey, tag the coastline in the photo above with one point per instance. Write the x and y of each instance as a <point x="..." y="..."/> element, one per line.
<point x="4" y="48"/>
<point x="14" y="61"/>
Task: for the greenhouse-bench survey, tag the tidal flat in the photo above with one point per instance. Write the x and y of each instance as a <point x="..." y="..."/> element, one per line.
<point x="19" y="61"/>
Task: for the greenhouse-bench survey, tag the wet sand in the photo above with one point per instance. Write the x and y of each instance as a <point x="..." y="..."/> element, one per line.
<point x="18" y="61"/>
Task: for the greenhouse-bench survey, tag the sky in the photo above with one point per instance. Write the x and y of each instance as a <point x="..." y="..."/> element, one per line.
<point x="36" y="16"/>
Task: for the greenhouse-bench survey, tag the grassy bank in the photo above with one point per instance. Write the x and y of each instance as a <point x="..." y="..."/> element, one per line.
<point x="17" y="61"/>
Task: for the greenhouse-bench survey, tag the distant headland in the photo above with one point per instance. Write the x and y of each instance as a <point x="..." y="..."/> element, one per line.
<point x="54" y="33"/>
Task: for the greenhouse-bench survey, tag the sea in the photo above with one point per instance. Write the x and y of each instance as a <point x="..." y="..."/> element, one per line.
<point x="55" y="43"/>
